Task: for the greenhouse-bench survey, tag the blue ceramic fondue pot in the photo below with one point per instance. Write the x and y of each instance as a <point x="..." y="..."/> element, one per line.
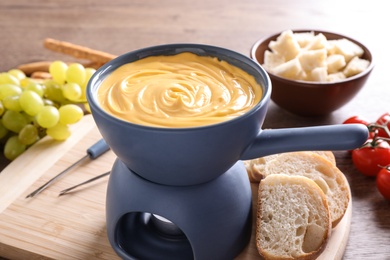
<point x="195" y="155"/>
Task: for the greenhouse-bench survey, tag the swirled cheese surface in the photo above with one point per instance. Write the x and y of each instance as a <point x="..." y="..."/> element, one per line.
<point x="182" y="90"/>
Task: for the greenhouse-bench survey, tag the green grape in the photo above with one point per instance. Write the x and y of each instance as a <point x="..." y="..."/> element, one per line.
<point x="9" y="90"/>
<point x="31" y="102"/>
<point x="7" y="78"/>
<point x="36" y="87"/>
<point x="13" y="148"/>
<point x="2" y="108"/>
<point x="14" y="121"/>
<point x="28" y="135"/>
<point x="54" y="92"/>
<point x="88" y="74"/>
<point x="29" y="119"/>
<point x="12" y="103"/>
<point x="57" y="70"/>
<point x="17" y="73"/>
<point x="26" y="81"/>
<point x="75" y="73"/>
<point x="48" y="102"/>
<point x="71" y="91"/>
<point x="87" y="107"/>
<point x="59" y="132"/>
<point x="3" y="131"/>
<point x="70" y="114"/>
<point x="48" y="117"/>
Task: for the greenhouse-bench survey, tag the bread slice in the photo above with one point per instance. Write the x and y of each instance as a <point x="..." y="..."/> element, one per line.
<point x="255" y="167"/>
<point x="293" y="220"/>
<point x="324" y="173"/>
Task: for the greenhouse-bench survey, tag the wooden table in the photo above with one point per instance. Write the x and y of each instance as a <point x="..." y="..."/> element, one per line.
<point x="119" y="26"/>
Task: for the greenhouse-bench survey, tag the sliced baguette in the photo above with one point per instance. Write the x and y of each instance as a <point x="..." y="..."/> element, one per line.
<point x="293" y="220"/>
<point x="255" y="167"/>
<point x="324" y="173"/>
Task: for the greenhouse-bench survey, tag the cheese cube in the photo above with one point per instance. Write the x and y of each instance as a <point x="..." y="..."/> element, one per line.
<point x="304" y="38"/>
<point x="346" y="48"/>
<point x="286" y="45"/>
<point x="333" y="77"/>
<point x="355" y="66"/>
<point x="291" y="69"/>
<point x="312" y="59"/>
<point x="272" y="60"/>
<point x="318" y="42"/>
<point x="335" y="63"/>
<point x="319" y="74"/>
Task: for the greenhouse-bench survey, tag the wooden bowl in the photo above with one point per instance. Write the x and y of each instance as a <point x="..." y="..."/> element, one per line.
<point x="309" y="98"/>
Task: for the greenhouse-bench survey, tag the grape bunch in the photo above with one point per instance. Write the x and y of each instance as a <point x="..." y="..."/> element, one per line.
<point x="33" y="108"/>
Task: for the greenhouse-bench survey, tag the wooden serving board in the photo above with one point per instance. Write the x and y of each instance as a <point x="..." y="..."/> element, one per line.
<point x="73" y="226"/>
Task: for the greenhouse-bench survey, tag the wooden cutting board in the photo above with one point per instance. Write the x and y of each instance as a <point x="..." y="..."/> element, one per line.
<point x="73" y="226"/>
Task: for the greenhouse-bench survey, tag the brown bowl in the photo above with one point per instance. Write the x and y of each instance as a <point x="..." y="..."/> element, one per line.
<point x="309" y="98"/>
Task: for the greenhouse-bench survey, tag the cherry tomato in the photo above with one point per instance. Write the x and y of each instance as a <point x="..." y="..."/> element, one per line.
<point x="359" y="120"/>
<point x="371" y="157"/>
<point x="383" y="182"/>
<point x="356" y="120"/>
<point x="383" y="120"/>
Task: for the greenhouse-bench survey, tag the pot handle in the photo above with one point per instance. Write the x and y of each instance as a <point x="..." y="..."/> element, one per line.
<point x="315" y="138"/>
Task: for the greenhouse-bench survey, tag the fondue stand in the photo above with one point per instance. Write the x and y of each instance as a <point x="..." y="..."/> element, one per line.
<point x="206" y="221"/>
<point x="184" y="193"/>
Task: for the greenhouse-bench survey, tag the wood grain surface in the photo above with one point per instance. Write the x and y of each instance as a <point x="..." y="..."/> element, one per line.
<point x="73" y="226"/>
<point x="119" y="26"/>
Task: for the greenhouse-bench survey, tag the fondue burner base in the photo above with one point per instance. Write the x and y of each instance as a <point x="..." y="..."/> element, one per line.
<point x="146" y="220"/>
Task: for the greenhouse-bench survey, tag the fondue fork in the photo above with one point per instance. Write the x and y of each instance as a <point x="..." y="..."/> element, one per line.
<point x="63" y="192"/>
<point x="93" y="152"/>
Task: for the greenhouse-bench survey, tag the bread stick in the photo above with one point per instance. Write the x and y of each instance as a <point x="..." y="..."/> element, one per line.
<point x="29" y="68"/>
<point x="78" y="51"/>
<point x="43" y="66"/>
<point x="41" y="75"/>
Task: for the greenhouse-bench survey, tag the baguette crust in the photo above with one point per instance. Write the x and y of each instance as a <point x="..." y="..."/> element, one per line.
<point x="293" y="219"/>
<point x="256" y="167"/>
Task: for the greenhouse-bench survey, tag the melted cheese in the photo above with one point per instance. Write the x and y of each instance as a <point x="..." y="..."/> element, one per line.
<point x="183" y="90"/>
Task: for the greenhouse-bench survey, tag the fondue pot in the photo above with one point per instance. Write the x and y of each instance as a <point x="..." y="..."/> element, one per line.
<point x="183" y="193"/>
